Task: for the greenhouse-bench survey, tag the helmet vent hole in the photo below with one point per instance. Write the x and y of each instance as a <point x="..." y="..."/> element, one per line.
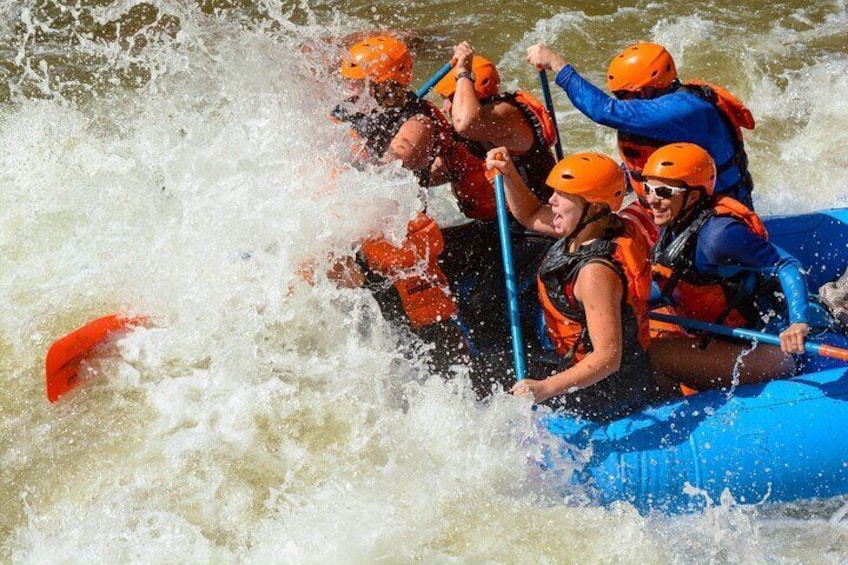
<point x="667" y="163"/>
<point x="653" y="74"/>
<point x="568" y="176"/>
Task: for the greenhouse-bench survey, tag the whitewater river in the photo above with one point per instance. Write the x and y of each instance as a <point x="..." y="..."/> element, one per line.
<point x="174" y="159"/>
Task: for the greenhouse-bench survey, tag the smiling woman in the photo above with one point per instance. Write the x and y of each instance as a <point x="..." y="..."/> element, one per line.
<point x="593" y="287"/>
<point x="713" y="263"/>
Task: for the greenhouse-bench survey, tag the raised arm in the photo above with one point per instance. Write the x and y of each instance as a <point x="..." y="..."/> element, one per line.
<point x="525" y="207"/>
<point x="466" y="110"/>
<point x="497" y="122"/>
<point x="541" y="57"/>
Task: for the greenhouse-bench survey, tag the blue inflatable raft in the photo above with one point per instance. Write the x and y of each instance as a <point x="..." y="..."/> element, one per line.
<point x="780" y="441"/>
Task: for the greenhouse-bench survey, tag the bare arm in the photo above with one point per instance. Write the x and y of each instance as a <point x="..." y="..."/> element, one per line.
<point x="467" y="114"/>
<point x="523" y="204"/>
<point x="498" y="123"/>
<point x="466" y="110"/>
<point x="600" y="290"/>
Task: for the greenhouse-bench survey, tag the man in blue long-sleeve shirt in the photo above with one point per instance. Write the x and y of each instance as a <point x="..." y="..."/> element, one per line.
<point x="651" y="108"/>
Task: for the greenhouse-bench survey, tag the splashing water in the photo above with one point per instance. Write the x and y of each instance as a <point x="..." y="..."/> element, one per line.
<point x="175" y="160"/>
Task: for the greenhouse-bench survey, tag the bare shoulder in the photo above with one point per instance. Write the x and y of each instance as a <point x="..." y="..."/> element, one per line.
<point x="512" y="129"/>
<point x="504" y="109"/>
<point x="598" y="281"/>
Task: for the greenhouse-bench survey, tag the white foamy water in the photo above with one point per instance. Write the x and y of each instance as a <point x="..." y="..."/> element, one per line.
<point x="260" y="419"/>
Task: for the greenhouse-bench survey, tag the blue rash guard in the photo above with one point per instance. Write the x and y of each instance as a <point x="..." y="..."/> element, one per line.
<point x="726" y="247"/>
<point x="673" y="117"/>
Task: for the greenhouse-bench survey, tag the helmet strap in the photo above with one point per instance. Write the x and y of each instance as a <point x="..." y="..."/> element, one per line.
<point x="687" y="214"/>
<point x="585" y="219"/>
<point x="656" y="92"/>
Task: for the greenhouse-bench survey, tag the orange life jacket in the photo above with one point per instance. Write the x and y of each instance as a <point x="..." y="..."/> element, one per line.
<point x="627" y="253"/>
<point x="707" y="298"/>
<point x="537" y="162"/>
<point x="537" y="115"/>
<point x="413" y="267"/>
<point x="470" y="185"/>
<point x="731" y="107"/>
<point x="414" y="271"/>
<point x="635" y="149"/>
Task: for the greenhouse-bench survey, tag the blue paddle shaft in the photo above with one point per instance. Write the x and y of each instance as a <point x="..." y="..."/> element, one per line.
<point x="509" y="276"/>
<point x="440" y="74"/>
<point x="740" y="333"/>
<point x="549" y="104"/>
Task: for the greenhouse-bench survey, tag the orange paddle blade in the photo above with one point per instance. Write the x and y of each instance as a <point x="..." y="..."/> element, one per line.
<point x="687" y="391"/>
<point x="65" y="355"/>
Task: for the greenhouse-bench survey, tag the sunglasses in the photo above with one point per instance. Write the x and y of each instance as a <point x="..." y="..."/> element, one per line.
<point x="662" y="191"/>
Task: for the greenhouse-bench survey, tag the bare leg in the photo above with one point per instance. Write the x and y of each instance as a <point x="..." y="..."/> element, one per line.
<point x="680" y="358"/>
<point x="667" y="387"/>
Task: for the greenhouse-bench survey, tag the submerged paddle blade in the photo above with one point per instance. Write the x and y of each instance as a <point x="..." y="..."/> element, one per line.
<point x="65" y="355"/>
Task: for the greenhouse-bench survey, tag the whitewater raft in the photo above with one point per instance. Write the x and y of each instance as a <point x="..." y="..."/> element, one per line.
<point x="777" y="442"/>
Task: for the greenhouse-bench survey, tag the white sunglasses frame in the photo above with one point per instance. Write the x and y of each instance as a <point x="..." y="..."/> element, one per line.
<point x="650" y="189"/>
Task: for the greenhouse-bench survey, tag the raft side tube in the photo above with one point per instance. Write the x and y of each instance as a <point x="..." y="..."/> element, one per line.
<point x="779" y="441"/>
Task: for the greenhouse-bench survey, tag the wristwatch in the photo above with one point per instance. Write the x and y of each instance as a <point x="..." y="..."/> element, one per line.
<point x="466" y="74"/>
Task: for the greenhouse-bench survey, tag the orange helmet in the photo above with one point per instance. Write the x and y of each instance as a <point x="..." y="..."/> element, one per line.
<point x="592" y="176"/>
<point x="684" y="163"/>
<point x="379" y="59"/>
<point x="641" y="65"/>
<point x="487" y="83"/>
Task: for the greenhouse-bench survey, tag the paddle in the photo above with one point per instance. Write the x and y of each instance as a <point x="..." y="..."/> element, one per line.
<point x="509" y="275"/>
<point x="549" y="103"/>
<point x="440" y="74"/>
<point x="771" y="339"/>
<point x="65" y="355"/>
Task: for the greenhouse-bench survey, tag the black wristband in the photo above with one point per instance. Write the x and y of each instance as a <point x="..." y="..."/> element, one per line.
<point x="466" y="74"/>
